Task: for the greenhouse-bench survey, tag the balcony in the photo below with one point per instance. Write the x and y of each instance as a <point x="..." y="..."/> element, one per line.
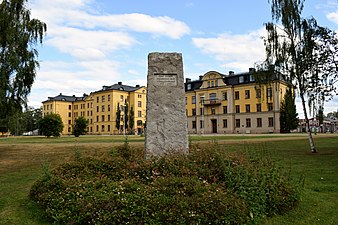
<point x="209" y="102"/>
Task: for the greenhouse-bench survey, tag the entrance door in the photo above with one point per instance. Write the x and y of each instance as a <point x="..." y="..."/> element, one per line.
<point x="214" y="125"/>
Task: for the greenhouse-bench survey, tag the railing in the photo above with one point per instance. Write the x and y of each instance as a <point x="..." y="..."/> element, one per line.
<point x="214" y="101"/>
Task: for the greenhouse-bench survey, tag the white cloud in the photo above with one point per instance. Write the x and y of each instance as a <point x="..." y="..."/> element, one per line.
<point x="239" y="51"/>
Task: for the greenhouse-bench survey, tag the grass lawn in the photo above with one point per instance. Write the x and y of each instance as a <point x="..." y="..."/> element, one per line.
<point x="21" y="159"/>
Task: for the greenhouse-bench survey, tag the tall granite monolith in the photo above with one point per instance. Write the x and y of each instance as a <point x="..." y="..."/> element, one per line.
<point x="166" y="128"/>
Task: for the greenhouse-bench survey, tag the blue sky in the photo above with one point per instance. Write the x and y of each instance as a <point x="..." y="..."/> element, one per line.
<point x="91" y="43"/>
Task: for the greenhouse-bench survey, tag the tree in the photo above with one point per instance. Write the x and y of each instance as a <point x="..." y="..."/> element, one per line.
<point x="26" y="121"/>
<point x="80" y="126"/>
<point x="125" y="122"/>
<point x="131" y="118"/>
<point x="118" y="117"/>
<point x="51" y="125"/>
<point x="288" y="113"/>
<point x="19" y="34"/>
<point x="321" y="115"/>
<point x="303" y="51"/>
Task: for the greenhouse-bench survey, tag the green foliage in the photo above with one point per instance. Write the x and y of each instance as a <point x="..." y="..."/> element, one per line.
<point x="321" y="115"/>
<point x="118" y="117"/>
<point x="51" y="125"/>
<point x="207" y="185"/>
<point x="19" y="34"/>
<point x="131" y="119"/>
<point x="80" y="126"/>
<point x="288" y="113"/>
<point x="125" y="116"/>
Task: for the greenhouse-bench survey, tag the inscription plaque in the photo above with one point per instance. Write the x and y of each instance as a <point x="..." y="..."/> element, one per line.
<point x="166" y="79"/>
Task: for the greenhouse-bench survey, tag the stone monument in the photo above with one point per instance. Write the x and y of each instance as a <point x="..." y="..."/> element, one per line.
<point x="166" y="129"/>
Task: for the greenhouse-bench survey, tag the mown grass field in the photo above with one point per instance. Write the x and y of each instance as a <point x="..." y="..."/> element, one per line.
<point x="22" y="159"/>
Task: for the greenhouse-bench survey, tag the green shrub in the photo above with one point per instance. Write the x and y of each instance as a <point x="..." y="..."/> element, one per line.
<point x="209" y="185"/>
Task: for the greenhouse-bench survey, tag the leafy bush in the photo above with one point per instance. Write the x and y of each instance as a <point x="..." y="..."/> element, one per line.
<point x="51" y="125"/>
<point x="80" y="126"/>
<point x="209" y="186"/>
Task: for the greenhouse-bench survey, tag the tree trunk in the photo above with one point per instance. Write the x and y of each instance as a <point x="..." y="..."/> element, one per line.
<point x="308" y="130"/>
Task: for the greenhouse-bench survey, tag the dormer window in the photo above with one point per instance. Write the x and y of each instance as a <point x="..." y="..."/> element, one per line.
<point x="241" y="79"/>
<point x="251" y="78"/>
<point x="188" y="86"/>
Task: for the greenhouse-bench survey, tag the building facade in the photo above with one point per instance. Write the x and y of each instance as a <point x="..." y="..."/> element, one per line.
<point x="234" y="103"/>
<point x="100" y="109"/>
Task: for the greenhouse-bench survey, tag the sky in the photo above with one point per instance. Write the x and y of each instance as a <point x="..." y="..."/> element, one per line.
<point x="92" y="43"/>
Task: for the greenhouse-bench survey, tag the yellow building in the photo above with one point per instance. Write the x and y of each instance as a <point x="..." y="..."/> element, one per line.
<point x="234" y="103"/>
<point x="100" y="108"/>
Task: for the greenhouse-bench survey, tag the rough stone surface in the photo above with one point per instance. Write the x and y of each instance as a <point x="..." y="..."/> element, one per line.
<point x="166" y="130"/>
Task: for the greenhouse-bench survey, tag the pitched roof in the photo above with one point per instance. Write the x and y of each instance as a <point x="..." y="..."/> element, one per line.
<point x="64" y="98"/>
<point x="121" y="87"/>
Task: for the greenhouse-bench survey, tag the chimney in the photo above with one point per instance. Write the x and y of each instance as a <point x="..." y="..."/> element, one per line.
<point x="60" y="93"/>
<point x="119" y="83"/>
<point x="252" y="70"/>
<point x="73" y="95"/>
<point x="137" y="85"/>
<point x="201" y="77"/>
<point x="231" y="72"/>
<point x="187" y="80"/>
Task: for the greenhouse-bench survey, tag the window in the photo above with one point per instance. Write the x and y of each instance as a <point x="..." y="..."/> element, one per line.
<point x="213" y="111"/>
<point x="108" y="128"/>
<point x="269" y="92"/>
<point x="139" y="104"/>
<point x="201" y="123"/>
<point x="108" y="108"/>
<point x="139" y="113"/>
<point x="258" y="93"/>
<point x="208" y="83"/>
<point x="270" y="121"/>
<point x="97" y="118"/>
<point x="69" y="122"/>
<point x="193" y="99"/>
<point x="259" y="122"/>
<point x="248" y="122"/>
<point x="102" y="128"/>
<point x="97" y="128"/>
<point x="69" y="114"/>
<point x="188" y="86"/>
<point x="103" y="108"/>
<point x="225" y="123"/>
<point x="247" y="108"/>
<point x="202" y="99"/>
<point x="238" y="123"/>
<point x="87" y="113"/>
<point x="201" y="111"/>
<point x="91" y="129"/>
<point x="193" y="124"/>
<point x="247" y="94"/>
<point x="224" y="96"/>
<point x="139" y="123"/>
<point x="44" y="107"/>
<point x="91" y="121"/>
<point x="241" y="79"/>
<point x="139" y="96"/>
<point x="108" y="117"/>
<point x="238" y="110"/>
<point x="252" y="78"/>
<point x="225" y="109"/>
<point x="103" y="98"/>
<point x="91" y="113"/>
<point x="51" y="106"/>
<point x="88" y="105"/>
<point x="259" y="107"/>
<point x="121" y="98"/>
<point x="69" y="107"/>
<point x="108" y="98"/>
<point x="212" y="96"/>
<point x="97" y="99"/>
<point x="194" y="112"/>
<point x="270" y="107"/>
<point x="69" y="129"/>
<point x="97" y="108"/>
<point x="236" y="95"/>
<point x="212" y="84"/>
